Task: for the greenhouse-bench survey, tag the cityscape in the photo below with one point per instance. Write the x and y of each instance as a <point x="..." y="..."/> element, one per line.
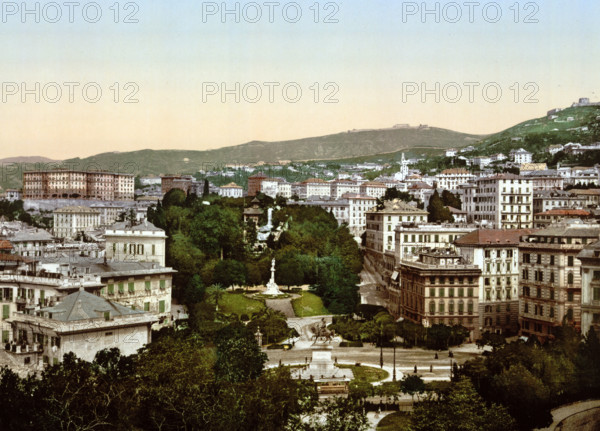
<point x="300" y="217"/>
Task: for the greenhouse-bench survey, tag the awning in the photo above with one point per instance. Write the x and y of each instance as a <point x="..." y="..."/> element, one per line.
<point x="395" y="275"/>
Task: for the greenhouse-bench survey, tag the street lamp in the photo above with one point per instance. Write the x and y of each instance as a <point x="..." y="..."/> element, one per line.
<point x="381" y="346"/>
<point x="394" y="374"/>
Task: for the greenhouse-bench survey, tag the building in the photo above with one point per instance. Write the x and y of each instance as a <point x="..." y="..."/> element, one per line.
<point x="13" y="195"/>
<point x="253" y="212"/>
<point x="544" y="200"/>
<point x="312" y="187"/>
<point x="274" y="187"/>
<point x="342" y="186"/>
<point x="31" y="242"/>
<point x="590" y="287"/>
<point x="450" y="179"/>
<point x="412" y="238"/>
<point x="374" y="189"/>
<point x="231" y="190"/>
<point x="143" y="242"/>
<point x="550" y="280"/>
<point x="71" y="184"/>
<point x="81" y="323"/>
<point x="460" y="216"/>
<point x="501" y="201"/>
<point x="546" y="218"/>
<point x="591" y="197"/>
<point x="438" y="288"/>
<point x="69" y="222"/>
<point x="181" y="182"/>
<point x="358" y="205"/>
<point x="382" y="222"/>
<point x="254" y="183"/>
<point x="545" y="180"/>
<point x="496" y="253"/>
<point x="520" y="156"/>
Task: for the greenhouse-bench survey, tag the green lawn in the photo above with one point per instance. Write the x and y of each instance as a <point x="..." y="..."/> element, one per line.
<point x="308" y="304"/>
<point x="366" y="374"/>
<point x="398" y="421"/>
<point x="238" y="303"/>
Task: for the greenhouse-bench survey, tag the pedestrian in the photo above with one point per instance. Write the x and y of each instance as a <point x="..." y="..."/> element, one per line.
<point x="431" y="368"/>
<point x="436" y="356"/>
<point x="415" y="369"/>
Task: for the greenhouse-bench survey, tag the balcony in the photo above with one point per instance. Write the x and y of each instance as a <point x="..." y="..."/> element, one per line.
<point x="23" y="348"/>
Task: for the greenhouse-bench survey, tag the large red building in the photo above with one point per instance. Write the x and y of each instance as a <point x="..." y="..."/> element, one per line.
<point x="254" y="183"/>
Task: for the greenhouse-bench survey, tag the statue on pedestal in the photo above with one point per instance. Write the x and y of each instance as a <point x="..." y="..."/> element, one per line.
<point x="272" y="288"/>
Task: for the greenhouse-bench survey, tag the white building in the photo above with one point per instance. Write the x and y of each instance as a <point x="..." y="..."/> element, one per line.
<point x="590" y="288"/>
<point x="451" y="152"/>
<point x="374" y="189"/>
<point x="312" y="187"/>
<point x="74" y="220"/>
<point x="450" y="179"/>
<point x="358" y="205"/>
<point x="501" y="201"/>
<point x="342" y="186"/>
<point x="521" y="156"/>
<point x="143" y="242"/>
<point x="13" y="195"/>
<point x="411" y="238"/>
<point x="231" y="190"/>
<point x="31" y="242"/>
<point x="545" y="200"/>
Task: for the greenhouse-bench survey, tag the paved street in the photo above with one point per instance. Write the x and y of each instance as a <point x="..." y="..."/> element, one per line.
<point x="581" y="416"/>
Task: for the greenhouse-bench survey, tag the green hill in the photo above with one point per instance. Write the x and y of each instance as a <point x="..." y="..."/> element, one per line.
<point x="330" y="147"/>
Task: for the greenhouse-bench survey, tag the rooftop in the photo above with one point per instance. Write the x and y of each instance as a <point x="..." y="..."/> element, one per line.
<point x="76" y="209"/>
<point x="398" y="206"/>
<point x="493" y="237"/>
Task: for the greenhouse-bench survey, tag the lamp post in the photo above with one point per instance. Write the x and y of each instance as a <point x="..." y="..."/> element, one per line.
<point x="394" y="373"/>
<point x="381" y="346"/>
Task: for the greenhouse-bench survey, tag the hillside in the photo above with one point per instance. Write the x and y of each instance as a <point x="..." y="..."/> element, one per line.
<point x="340" y="145"/>
<point x="538" y="134"/>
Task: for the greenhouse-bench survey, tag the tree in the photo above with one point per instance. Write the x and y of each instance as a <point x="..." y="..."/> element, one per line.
<point x="206" y="190"/>
<point x="230" y="272"/>
<point x="337" y="414"/>
<point x="239" y="357"/>
<point x="412" y="384"/>
<point x="451" y="200"/>
<point x="462" y="409"/>
<point x="437" y="210"/>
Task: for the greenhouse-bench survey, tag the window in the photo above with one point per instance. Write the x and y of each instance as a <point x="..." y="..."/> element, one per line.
<point x="487" y="254"/>
<point x="153" y="249"/>
<point x="570" y="278"/>
<point x="131" y="287"/>
<point x="432" y="292"/>
<point x="461" y="292"/>
<point x="570" y="261"/>
<point x="111" y="288"/>
<point x="551" y="311"/>
<point x="107" y="315"/>
<point x="525" y="274"/>
<point x="451" y="307"/>
<point x="147" y="285"/>
<point x="121" y="288"/>
<point x="146" y="306"/>
<point x="596" y="293"/>
<point x="470" y="307"/>
<point x="461" y="307"/>
<point x="551" y="259"/>
<point x="569" y="313"/>
<point x="570" y="296"/>
<point x="162" y="284"/>
<point x="552" y="277"/>
<point x="470" y="292"/>
<point x="431" y="280"/>
<point x="451" y="292"/>
<point x="526" y="308"/>
<point x="5" y="311"/>
<point x="539" y="258"/>
<point x="487" y="281"/>
<point x="161" y="306"/>
<point x="526" y="258"/>
<point x="441" y="307"/>
<point x="431" y="307"/>
<point x="538" y="293"/>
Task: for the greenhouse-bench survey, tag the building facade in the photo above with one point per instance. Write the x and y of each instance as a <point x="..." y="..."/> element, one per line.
<point x="74" y="220"/>
<point x="143" y="242"/>
<point x="71" y="184"/>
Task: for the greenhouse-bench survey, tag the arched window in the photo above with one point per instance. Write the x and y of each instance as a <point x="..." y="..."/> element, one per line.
<point x="451" y="307"/>
<point x="442" y="307"/>
<point x="570" y="278"/>
<point x="569" y="313"/>
<point x="461" y="307"/>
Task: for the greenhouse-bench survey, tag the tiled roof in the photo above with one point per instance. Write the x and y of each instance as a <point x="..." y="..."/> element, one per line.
<point x="83" y="305"/>
<point x="231" y="186"/>
<point x="5" y="245"/>
<point x="455" y="171"/>
<point x="493" y="236"/>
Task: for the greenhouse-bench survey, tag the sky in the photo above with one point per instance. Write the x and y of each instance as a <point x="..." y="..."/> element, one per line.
<point x="82" y="78"/>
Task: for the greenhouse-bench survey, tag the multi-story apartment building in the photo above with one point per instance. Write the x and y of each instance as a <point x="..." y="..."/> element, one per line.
<point x="31" y="242"/>
<point x="73" y="220"/>
<point x="437" y="288"/>
<point x="496" y="252"/>
<point x="274" y="187"/>
<point x="381" y="224"/>
<point x="411" y="238"/>
<point x="545" y="180"/>
<point x="143" y="242"/>
<point x="343" y="186"/>
<point x="450" y="179"/>
<point x="313" y="187"/>
<point x="374" y="189"/>
<point x="521" y="156"/>
<point x="358" y="205"/>
<point x="550" y="279"/>
<point x="501" y="201"/>
<point x="544" y="200"/>
<point x="71" y="184"/>
<point x="590" y="287"/>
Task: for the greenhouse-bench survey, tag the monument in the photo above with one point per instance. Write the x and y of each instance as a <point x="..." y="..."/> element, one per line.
<point x="272" y="288"/>
<point x="322" y="369"/>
